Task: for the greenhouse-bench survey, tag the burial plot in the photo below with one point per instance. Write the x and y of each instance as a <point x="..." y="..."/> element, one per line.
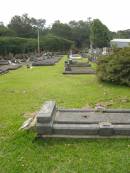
<point x="74" y="56"/>
<point x="14" y="66"/>
<point x="78" y="64"/>
<point x="70" y="69"/>
<point x="91" y="123"/>
<point x="4" y="62"/>
<point x="46" y="61"/>
<point x="43" y="63"/>
<point x="5" y="69"/>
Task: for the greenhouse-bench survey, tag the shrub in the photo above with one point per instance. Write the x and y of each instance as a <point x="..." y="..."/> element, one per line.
<point x="115" y="68"/>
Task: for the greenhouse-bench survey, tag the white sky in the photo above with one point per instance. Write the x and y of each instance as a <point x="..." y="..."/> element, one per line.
<point x="113" y="13"/>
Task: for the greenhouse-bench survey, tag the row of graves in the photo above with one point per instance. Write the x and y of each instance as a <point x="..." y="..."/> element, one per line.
<point x="74" y="66"/>
<point x="13" y="62"/>
<point x="7" y="65"/>
<point x="47" y="59"/>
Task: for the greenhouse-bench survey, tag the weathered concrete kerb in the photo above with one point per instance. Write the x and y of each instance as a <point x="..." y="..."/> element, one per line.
<point x="6" y="68"/>
<point x="47" y="61"/>
<point x="80" y="123"/>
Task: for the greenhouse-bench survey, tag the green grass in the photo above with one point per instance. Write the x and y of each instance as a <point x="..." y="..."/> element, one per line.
<point x="25" y="90"/>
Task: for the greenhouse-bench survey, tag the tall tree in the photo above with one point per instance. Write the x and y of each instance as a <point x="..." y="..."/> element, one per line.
<point x="61" y="29"/>
<point x="24" y="26"/>
<point x="21" y="25"/>
<point x="100" y="34"/>
<point x="123" y="34"/>
<point x="39" y="23"/>
<point x="80" y="33"/>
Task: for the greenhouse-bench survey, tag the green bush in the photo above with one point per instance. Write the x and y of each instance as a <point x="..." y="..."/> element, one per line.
<point x="115" y="68"/>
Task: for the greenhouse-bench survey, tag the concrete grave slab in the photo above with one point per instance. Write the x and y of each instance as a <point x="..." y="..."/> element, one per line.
<point x="6" y="68"/>
<point x="47" y="61"/>
<point x="4" y="62"/>
<point x="78" y="64"/>
<point x="53" y="122"/>
<point x="80" y="68"/>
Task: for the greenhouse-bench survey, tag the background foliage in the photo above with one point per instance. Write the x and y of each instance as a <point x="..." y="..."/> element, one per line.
<point x="115" y="68"/>
<point x="59" y="36"/>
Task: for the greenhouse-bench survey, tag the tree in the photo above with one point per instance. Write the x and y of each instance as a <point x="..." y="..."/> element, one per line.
<point x="100" y="34"/>
<point x="39" y="23"/>
<point x="25" y="26"/>
<point x="61" y="30"/>
<point x="80" y="33"/>
<point x="21" y="25"/>
<point x="123" y="34"/>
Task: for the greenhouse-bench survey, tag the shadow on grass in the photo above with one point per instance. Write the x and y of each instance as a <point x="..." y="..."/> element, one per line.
<point x="112" y="85"/>
<point x="106" y="142"/>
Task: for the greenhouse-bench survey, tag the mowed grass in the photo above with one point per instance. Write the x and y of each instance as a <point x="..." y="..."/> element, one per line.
<point x="24" y="91"/>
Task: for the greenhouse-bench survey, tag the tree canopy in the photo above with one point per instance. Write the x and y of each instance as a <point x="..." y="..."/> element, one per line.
<point x="24" y="26"/>
<point x="79" y="33"/>
<point x="100" y="34"/>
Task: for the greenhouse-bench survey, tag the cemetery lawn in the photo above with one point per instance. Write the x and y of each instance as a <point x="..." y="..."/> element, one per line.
<point x="22" y="92"/>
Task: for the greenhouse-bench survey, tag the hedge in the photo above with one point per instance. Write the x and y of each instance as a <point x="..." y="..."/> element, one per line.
<point x="25" y="45"/>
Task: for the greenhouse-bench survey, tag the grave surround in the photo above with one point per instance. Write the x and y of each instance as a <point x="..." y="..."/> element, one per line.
<point x="75" y="67"/>
<point x="80" y="123"/>
<point x="6" y="68"/>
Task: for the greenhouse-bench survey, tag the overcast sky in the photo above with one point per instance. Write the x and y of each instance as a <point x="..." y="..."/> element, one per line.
<point x="113" y="13"/>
